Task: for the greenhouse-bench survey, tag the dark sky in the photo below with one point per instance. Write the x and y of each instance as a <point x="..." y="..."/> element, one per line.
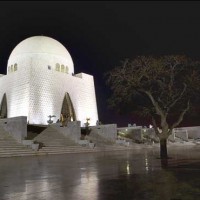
<point x="99" y="35"/>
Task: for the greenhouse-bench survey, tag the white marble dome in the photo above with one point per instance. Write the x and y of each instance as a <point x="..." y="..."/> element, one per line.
<point x="42" y="46"/>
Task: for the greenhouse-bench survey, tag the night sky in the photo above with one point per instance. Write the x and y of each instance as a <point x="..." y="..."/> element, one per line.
<point x="98" y="35"/>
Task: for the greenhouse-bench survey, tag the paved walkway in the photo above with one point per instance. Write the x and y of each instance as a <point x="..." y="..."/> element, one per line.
<point x="124" y="175"/>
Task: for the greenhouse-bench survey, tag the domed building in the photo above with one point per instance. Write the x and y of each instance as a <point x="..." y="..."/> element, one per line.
<point x="40" y="81"/>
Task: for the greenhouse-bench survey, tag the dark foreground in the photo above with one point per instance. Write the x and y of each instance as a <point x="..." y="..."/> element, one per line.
<point x="118" y="176"/>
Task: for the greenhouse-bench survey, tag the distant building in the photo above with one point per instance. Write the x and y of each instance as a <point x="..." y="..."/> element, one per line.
<point x="40" y="81"/>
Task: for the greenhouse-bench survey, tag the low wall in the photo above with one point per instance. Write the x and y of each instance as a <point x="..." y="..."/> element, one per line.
<point x="72" y="130"/>
<point x="172" y="137"/>
<point x="193" y="132"/>
<point x="16" y="126"/>
<point x="134" y="133"/>
<point x="108" y="131"/>
<point x="181" y="133"/>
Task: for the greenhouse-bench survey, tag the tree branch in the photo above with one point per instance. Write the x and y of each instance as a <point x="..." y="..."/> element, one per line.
<point x="178" y="98"/>
<point x="181" y="116"/>
<point x="155" y="104"/>
<point x="159" y="111"/>
<point x="155" y="126"/>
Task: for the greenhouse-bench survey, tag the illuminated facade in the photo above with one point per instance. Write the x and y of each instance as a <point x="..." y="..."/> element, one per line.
<point x="40" y="81"/>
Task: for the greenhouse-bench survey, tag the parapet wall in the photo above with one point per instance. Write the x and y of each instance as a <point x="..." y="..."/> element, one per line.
<point x="16" y="126"/>
<point x="72" y="130"/>
<point x="108" y="131"/>
<point x="193" y="132"/>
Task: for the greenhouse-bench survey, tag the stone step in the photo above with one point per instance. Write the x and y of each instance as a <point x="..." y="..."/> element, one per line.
<point x="56" y="141"/>
<point x="54" y="153"/>
<point x="80" y="147"/>
<point x="51" y="145"/>
<point x="115" y="149"/>
<point x="63" y="149"/>
<point x="51" y="138"/>
<point x="6" y="138"/>
<point x="52" y="141"/>
<point x="50" y="131"/>
<point x="11" y="144"/>
<point x="42" y="152"/>
<point x="60" y="146"/>
<point x="9" y="147"/>
<point x="16" y="155"/>
<point x="16" y="152"/>
<point x="13" y="147"/>
<point x="9" y="141"/>
<point x="57" y="148"/>
<point x="67" y="145"/>
<point x="81" y="151"/>
<point x="54" y="144"/>
<point x="62" y="152"/>
<point x="64" y="141"/>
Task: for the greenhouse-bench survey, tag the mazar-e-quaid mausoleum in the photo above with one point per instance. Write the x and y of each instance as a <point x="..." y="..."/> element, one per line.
<point x="40" y="81"/>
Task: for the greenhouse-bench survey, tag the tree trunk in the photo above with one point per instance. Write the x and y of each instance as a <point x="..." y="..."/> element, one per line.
<point x="163" y="148"/>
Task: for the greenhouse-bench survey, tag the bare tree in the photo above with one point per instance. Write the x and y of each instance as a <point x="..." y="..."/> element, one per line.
<point x="167" y="87"/>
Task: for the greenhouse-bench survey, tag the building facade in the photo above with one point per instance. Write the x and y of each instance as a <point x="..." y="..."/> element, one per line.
<point x="40" y="81"/>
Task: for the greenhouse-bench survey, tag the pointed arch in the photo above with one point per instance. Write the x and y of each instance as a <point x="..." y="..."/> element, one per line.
<point x="67" y="107"/>
<point x="3" y="108"/>
<point x="57" y="67"/>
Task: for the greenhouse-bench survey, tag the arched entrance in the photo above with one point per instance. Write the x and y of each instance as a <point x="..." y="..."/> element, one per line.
<point x="67" y="110"/>
<point x="3" y="108"/>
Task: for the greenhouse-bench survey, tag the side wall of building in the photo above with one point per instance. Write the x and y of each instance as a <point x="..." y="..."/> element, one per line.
<point x="16" y="126"/>
<point x="48" y="88"/>
<point x="108" y="131"/>
<point x="16" y="87"/>
<point x="37" y="90"/>
<point x="193" y="132"/>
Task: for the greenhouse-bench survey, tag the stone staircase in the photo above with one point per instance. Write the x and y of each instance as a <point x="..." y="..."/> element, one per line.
<point x="108" y="145"/>
<point x="99" y="140"/>
<point x="56" y="143"/>
<point x="9" y="147"/>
